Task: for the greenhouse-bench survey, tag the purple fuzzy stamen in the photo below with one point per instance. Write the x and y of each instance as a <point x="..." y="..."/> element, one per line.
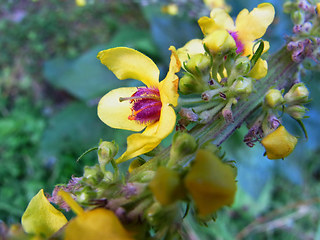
<point x="239" y="44"/>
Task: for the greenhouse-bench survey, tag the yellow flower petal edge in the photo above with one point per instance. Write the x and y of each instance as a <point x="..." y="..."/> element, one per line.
<point x="128" y="63"/>
<point x="97" y="224"/>
<point x="41" y="218"/>
<point x="115" y="113"/>
<point x="253" y="25"/>
<point x="191" y="48"/>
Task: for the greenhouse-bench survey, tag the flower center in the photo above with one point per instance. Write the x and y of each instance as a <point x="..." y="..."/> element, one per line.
<point x="146" y="105"/>
<point x="239" y="44"/>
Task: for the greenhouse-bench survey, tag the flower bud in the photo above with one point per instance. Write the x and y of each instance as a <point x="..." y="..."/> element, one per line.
<point x="152" y="213"/>
<point x="210" y="182"/>
<point x="166" y="186"/>
<point x="298" y="94"/>
<point x="273" y="98"/>
<point x="135" y="164"/>
<point x="296" y="111"/>
<point x="198" y="64"/>
<point x="288" y="7"/>
<point x="219" y="41"/>
<point x="189" y="84"/>
<point x="243" y="86"/>
<point x="92" y="175"/>
<point x="297" y="17"/>
<point x="86" y="194"/>
<point x="182" y="144"/>
<point x="242" y="65"/>
<point x="279" y="144"/>
<point x="106" y="152"/>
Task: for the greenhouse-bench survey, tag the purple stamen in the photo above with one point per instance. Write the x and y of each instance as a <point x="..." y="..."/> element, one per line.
<point x="239" y="44"/>
<point x="146" y="106"/>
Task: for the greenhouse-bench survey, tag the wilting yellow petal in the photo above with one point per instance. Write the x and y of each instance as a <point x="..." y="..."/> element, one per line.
<point x="41" y="218"/>
<point x="210" y="182"/>
<point x="169" y="86"/>
<point x="279" y="144"/>
<point x="253" y="25"/>
<point x="259" y="70"/>
<point x="115" y="113"/>
<point x="194" y="46"/>
<point x="128" y="63"/>
<point x="96" y="224"/>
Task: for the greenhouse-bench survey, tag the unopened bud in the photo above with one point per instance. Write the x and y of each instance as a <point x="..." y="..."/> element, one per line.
<point x="198" y="64"/>
<point x="85" y="195"/>
<point x="92" y="175"/>
<point x="273" y="98"/>
<point x="167" y="186"/>
<point x="188" y="114"/>
<point x="306" y="27"/>
<point x="106" y="152"/>
<point x="296" y="111"/>
<point x="298" y="94"/>
<point x="183" y="144"/>
<point x="153" y="212"/>
<point x="219" y="41"/>
<point x="279" y="144"/>
<point x="288" y="7"/>
<point x="189" y="84"/>
<point x="298" y="17"/>
<point x="242" y="86"/>
<point x="242" y="65"/>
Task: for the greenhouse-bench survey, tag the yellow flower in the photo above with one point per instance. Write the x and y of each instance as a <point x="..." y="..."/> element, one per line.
<point x="247" y="28"/>
<point x="219" y="41"/>
<point x="279" y="144"/>
<point x="98" y="223"/>
<point x="193" y="47"/>
<point x="41" y="218"/>
<point x="210" y="182"/>
<point x="135" y="109"/>
<point x="171" y="9"/>
<point x="81" y="3"/>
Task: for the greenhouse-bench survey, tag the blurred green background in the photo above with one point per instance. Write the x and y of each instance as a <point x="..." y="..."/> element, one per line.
<point x="51" y="82"/>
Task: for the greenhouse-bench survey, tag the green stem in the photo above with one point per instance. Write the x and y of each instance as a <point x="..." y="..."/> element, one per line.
<point x="189" y="101"/>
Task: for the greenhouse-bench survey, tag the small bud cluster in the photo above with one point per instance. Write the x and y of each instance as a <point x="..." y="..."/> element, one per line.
<point x="305" y="43"/>
<point x="267" y="128"/>
<point x="220" y="75"/>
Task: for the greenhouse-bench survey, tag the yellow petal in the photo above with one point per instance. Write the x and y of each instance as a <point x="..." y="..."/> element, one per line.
<point x="41" y="218"/>
<point x="115" y="113"/>
<point x="138" y="144"/>
<point x="279" y="144"/>
<point x="169" y="86"/>
<point x="71" y="202"/>
<point x="251" y="46"/>
<point x="151" y="137"/>
<point x="253" y="25"/>
<point x="194" y="46"/>
<point x="207" y="25"/>
<point x="128" y="63"/>
<point x="99" y="224"/>
<point x="222" y="19"/>
<point x="259" y="70"/>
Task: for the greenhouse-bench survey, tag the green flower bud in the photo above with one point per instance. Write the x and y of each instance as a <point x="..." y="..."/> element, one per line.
<point x="189" y="84"/>
<point x="147" y="176"/>
<point x="296" y="111"/>
<point x="242" y="86"/>
<point x="106" y="152"/>
<point x="288" y="7"/>
<point x="279" y="144"/>
<point x="210" y="182"/>
<point x="198" y="64"/>
<point x="298" y="94"/>
<point x="182" y="144"/>
<point x="153" y="212"/>
<point x="166" y="186"/>
<point x="92" y="175"/>
<point x="219" y="41"/>
<point x="273" y="98"/>
<point x="85" y="195"/>
<point x="242" y="66"/>
<point x="298" y="17"/>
